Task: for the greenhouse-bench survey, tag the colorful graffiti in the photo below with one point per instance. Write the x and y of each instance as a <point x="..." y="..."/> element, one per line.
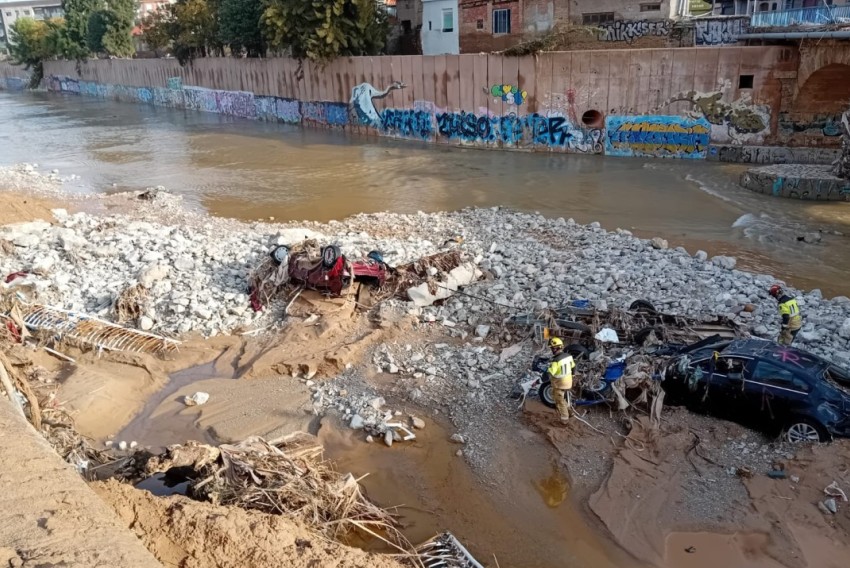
<point x="408" y="123"/>
<point x="276" y="109"/>
<point x="555" y="132"/>
<point x="14" y="83"/>
<point x="510" y="94"/>
<point x="174" y="83"/>
<point x="825" y="124"/>
<point x="630" y="30"/>
<point x="325" y="113"/>
<point x="797" y="182"/>
<point x="772" y="155"/>
<point x="657" y="136"/>
<point x="738" y="121"/>
<point x="719" y="31"/>
<point x="362" y="101"/>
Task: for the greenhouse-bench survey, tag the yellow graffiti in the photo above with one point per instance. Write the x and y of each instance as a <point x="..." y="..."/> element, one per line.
<point x="656" y="127"/>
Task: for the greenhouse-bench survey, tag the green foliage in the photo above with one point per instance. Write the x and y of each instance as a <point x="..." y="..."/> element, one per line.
<point x="321" y="30"/>
<point x="34" y="41"/>
<point x="77" y="16"/>
<point x="110" y="29"/>
<point x="239" y="27"/>
<point x="188" y="27"/>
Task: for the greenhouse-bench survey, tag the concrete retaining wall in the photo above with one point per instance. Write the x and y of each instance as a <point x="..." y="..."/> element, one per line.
<point x="635" y="102"/>
<point x="13" y="77"/>
<point x="795" y="181"/>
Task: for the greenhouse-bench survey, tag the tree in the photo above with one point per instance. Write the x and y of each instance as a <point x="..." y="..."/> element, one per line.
<point x="322" y="30"/>
<point x="110" y="29"/>
<point x="157" y="30"/>
<point x="78" y="13"/>
<point x="33" y="42"/>
<point x="239" y="27"/>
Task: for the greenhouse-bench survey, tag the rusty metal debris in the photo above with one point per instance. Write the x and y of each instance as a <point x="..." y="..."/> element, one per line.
<point x="87" y="331"/>
<point x="445" y="551"/>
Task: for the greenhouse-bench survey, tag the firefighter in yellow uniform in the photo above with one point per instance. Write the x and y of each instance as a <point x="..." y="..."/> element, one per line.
<point x="789" y="311"/>
<point x="560" y="374"/>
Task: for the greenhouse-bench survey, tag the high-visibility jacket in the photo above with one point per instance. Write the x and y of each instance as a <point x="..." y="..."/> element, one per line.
<point x="790" y="313"/>
<point x="561" y="371"/>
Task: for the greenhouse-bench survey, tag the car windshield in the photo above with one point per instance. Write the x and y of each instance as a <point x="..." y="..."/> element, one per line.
<point x="838" y="377"/>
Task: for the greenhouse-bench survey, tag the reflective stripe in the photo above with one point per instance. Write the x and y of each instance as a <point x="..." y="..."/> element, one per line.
<point x="561" y="370"/>
<point x="790" y="308"/>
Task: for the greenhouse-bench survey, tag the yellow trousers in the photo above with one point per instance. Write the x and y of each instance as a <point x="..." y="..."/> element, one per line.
<point x="561" y="397"/>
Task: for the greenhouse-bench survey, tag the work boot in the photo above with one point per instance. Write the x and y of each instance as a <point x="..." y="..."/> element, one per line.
<point x="564" y="419"/>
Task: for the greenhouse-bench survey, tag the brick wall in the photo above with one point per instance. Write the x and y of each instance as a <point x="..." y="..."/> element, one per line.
<point x="475" y="40"/>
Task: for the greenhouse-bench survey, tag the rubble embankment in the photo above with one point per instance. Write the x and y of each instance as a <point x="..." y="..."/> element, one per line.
<point x="459" y="359"/>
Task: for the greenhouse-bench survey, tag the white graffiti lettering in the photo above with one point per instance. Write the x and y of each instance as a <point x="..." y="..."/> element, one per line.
<point x="723" y="31"/>
<point x="629" y="31"/>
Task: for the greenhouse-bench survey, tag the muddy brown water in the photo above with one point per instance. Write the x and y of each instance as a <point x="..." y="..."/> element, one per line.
<point x="250" y="170"/>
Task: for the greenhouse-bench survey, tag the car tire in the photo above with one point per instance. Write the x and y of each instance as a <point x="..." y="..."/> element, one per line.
<point x="643" y="306"/>
<point x="578" y="351"/>
<point x="330" y="254"/>
<point x="803" y="429"/>
<point x="547" y="395"/>
<point x="280" y="254"/>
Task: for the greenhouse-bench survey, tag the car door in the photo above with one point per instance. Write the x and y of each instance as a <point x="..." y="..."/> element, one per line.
<point x="776" y="393"/>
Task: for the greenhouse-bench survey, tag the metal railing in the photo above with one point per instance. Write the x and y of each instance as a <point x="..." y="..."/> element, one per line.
<point x="785" y="18"/>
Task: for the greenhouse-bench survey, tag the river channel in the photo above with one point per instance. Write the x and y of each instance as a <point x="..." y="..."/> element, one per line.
<point x="250" y="170"/>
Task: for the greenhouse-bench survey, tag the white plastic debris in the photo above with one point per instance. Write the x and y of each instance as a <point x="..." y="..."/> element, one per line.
<point x="122" y="445"/>
<point x="607" y="335"/>
<point x="196" y="399"/>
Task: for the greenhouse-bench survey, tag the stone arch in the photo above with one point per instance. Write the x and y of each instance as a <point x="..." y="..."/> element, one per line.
<point x="825" y="91"/>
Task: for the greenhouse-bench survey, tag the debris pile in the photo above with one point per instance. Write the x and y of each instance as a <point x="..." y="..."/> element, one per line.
<point x="287" y="477"/>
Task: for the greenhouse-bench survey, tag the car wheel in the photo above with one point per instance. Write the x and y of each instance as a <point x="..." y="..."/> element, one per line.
<point x="805" y="430"/>
<point x="330" y="254"/>
<point x="547" y="395"/>
<point x="642" y="306"/>
<point x="280" y="254"/>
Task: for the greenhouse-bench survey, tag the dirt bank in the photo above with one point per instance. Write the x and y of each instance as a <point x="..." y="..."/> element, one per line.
<point x="188" y="534"/>
<point x="20" y="207"/>
<point x="676" y="497"/>
<point x="48" y="516"/>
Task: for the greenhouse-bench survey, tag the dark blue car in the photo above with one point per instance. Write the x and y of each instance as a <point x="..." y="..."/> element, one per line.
<point x="762" y="384"/>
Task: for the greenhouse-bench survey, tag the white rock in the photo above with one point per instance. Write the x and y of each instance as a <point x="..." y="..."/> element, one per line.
<point x="388" y="438"/>
<point x="184" y="263"/>
<point x="392" y="368"/>
<point x="356" y="423"/>
<point x="417" y="423"/>
<point x="659" y="243"/>
<point x="196" y="399"/>
<point x="844" y="330"/>
<point x="145" y="323"/>
<point x="377" y="402"/>
<point x="122" y="445"/>
<point x="701" y="255"/>
<point x="457" y="439"/>
<point x="482" y="330"/>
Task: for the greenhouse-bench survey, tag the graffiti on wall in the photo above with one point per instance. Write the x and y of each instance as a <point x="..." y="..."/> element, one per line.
<point x="555" y="132"/>
<point x="325" y="113"/>
<point x="657" y="136"/>
<point x="406" y="123"/>
<point x="739" y="121"/>
<point x="510" y="94"/>
<point x="719" y="31"/>
<point x="824" y="124"/>
<point x="277" y="109"/>
<point x="630" y="30"/>
<point x="363" y="102"/>
<point x="772" y="155"/>
<point x="14" y="83"/>
<point x="174" y="83"/>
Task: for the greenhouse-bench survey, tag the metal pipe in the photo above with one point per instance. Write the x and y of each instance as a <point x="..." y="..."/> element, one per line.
<point x="797" y="35"/>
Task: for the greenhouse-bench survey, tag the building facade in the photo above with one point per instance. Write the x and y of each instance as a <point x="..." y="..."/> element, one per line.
<point x="440" y="35"/>
<point x="12" y="11"/>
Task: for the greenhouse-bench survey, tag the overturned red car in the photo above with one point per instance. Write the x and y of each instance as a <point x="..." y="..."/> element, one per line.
<point x="332" y="272"/>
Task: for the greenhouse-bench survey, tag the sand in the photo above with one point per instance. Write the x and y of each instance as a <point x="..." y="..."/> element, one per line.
<point x="48" y="516"/>
<point x="189" y="534"/>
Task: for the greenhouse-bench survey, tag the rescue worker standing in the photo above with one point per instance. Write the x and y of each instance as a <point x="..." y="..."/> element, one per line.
<point x="789" y="311"/>
<point x="560" y="374"/>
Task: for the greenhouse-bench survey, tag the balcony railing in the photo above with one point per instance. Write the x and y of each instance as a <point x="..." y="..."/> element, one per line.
<point x="820" y="15"/>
